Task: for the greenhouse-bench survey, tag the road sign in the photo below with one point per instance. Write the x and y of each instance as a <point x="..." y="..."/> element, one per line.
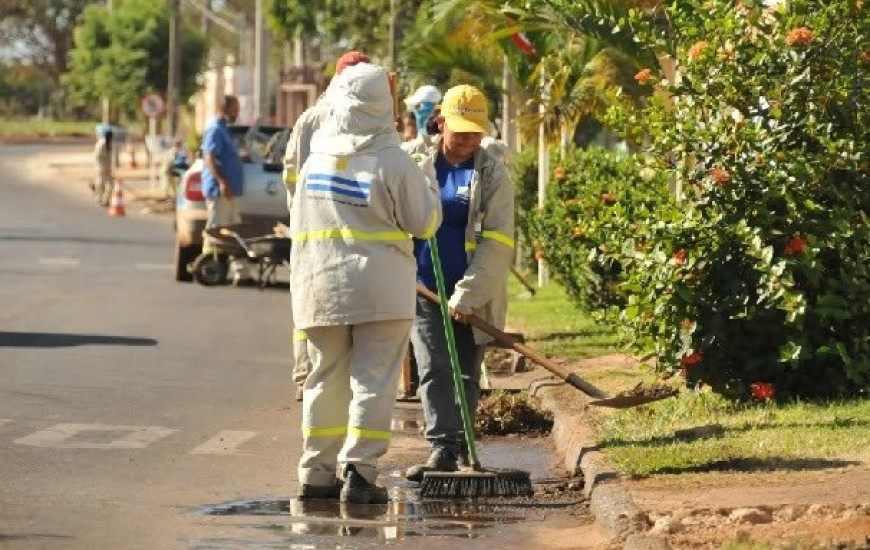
<point x="153" y="105"/>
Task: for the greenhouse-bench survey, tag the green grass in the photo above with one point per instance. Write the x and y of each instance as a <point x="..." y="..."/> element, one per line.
<point x="642" y="441"/>
<point x="554" y="326"/>
<point x="754" y="437"/>
<point x="46" y="128"/>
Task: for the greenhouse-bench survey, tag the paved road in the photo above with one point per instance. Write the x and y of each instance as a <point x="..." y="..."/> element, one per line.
<point x="127" y="398"/>
<point x="130" y="404"/>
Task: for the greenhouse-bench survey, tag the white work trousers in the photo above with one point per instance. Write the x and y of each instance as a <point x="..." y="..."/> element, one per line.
<point x="349" y="398"/>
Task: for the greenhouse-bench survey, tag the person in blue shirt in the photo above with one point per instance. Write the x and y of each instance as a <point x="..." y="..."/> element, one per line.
<point x="222" y="175"/>
<point x="476" y="245"/>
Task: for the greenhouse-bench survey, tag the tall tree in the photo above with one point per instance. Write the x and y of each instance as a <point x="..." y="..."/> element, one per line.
<point x="40" y="32"/>
<point x="124" y="53"/>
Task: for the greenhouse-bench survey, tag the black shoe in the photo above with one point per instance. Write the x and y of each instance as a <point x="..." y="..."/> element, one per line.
<point x="357" y="490"/>
<point x="441" y="460"/>
<point x="310" y="492"/>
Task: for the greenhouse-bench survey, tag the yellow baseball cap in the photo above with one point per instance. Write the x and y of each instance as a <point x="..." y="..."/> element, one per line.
<point x="464" y="109"/>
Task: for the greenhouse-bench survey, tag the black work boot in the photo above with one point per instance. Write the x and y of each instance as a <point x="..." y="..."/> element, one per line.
<point x="357" y="490"/>
<point x="441" y="460"/>
<point x="310" y="492"/>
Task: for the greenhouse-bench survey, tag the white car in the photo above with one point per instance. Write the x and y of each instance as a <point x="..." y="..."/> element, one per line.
<point x="263" y="202"/>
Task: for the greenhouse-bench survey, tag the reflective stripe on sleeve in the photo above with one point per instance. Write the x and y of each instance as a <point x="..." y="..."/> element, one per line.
<point x="289" y="177"/>
<point x="499" y="237"/>
<point x="299" y="336"/>
<point x="432" y="226"/>
<point x="347" y="233"/>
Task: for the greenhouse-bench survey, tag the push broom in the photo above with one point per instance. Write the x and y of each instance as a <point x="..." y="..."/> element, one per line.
<point x="476" y="482"/>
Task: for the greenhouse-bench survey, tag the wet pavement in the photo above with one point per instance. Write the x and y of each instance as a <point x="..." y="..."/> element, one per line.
<point x="408" y="521"/>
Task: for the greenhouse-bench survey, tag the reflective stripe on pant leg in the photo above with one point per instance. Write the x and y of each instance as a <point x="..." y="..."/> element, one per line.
<point x="325" y="403"/>
<point x="379" y="349"/>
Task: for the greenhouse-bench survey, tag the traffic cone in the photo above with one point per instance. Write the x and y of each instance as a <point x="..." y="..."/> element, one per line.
<point x="116" y="206"/>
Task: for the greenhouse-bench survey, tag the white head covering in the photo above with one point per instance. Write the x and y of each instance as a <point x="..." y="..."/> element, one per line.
<point x="424" y="93"/>
<point x="360" y="111"/>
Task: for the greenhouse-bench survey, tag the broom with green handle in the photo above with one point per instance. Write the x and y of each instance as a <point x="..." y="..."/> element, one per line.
<point x="477" y="482"/>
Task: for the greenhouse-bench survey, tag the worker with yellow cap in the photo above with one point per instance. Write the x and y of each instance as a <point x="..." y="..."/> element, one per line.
<point x="476" y="241"/>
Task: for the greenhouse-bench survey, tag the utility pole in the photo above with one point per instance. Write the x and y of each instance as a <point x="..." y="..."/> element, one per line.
<point x="261" y="101"/>
<point x="105" y="106"/>
<point x="174" y="65"/>
<point x="392" y="35"/>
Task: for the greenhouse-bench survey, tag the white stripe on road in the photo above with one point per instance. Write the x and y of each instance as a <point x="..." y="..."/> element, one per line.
<point x="70" y="262"/>
<point x="63" y="436"/>
<point x="224" y="443"/>
<point x="155" y="267"/>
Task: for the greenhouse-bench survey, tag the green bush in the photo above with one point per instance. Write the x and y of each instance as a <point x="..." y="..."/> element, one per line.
<point x="761" y="286"/>
<point x="595" y="202"/>
<point x="755" y="279"/>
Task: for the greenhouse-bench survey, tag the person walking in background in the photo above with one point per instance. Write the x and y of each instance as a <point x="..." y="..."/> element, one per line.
<point x="295" y="155"/>
<point x="476" y="244"/>
<point x="222" y="173"/>
<point x="360" y="199"/>
<point x="104" y="156"/>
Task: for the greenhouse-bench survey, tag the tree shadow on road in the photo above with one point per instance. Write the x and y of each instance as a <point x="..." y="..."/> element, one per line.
<point x="61" y="340"/>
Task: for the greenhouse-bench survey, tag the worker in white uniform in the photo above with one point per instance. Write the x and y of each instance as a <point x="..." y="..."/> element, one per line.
<point x="295" y="155"/>
<point x="359" y="201"/>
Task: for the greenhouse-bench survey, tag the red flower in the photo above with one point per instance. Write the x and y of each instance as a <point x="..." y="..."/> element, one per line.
<point x="692" y="359"/>
<point x="697" y="49"/>
<point x="763" y="391"/>
<point x="686" y="324"/>
<point x="679" y="256"/>
<point x="608" y="198"/>
<point x="539" y="255"/>
<point x="644" y="76"/>
<point x="800" y="36"/>
<point x="795" y="246"/>
<point x="720" y="176"/>
<point x="558" y="173"/>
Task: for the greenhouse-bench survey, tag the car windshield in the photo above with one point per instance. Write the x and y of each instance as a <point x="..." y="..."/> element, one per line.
<point x="252" y="143"/>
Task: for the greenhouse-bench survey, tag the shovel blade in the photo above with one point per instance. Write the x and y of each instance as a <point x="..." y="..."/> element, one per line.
<point x="633" y="400"/>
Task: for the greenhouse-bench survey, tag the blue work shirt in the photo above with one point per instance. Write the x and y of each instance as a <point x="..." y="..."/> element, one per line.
<point x="217" y="141"/>
<point x="455" y="184"/>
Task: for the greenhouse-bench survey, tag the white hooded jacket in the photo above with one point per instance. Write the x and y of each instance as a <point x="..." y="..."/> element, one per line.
<point x="359" y="200"/>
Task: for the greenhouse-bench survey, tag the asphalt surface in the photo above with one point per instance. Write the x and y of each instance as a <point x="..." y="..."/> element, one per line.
<point x="137" y="412"/>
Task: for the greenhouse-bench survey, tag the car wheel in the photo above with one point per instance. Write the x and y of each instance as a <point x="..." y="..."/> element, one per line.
<point x="184" y="256"/>
<point x="210" y="270"/>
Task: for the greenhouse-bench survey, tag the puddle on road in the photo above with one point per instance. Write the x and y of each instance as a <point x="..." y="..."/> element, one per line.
<point x="291" y="524"/>
<point x="321" y="523"/>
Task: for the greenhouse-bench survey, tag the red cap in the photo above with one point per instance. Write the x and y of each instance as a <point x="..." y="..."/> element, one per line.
<point x="350" y="58"/>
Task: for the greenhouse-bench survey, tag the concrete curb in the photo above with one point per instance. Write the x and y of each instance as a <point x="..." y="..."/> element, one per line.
<point x="610" y="502"/>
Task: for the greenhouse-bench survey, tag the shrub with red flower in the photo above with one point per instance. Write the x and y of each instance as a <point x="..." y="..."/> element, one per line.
<point x="720" y="176"/>
<point x="798" y="37"/>
<point x="679" y="256"/>
<point x="795" y="246"/>
<point x="644" y="76"/>
<point x="692" y="359"/>
<point x="763" y="391"/>
<point x="697" y="49"/>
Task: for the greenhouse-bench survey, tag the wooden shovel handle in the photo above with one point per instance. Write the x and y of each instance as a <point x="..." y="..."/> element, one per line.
<point x="509" y="341"/>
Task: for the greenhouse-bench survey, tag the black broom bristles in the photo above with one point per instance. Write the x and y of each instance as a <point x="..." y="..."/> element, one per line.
<point x="472" y="484"/>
